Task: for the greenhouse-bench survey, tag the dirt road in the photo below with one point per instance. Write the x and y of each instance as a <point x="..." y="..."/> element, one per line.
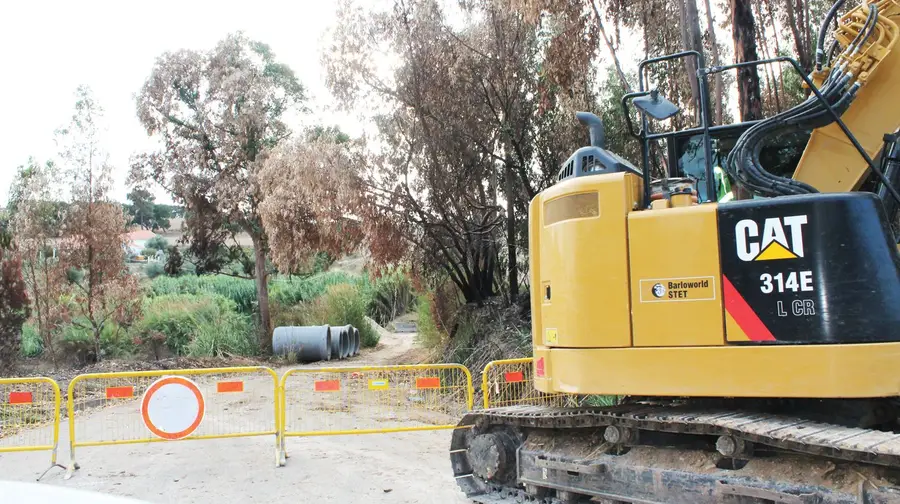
<point x="379" y="468"/>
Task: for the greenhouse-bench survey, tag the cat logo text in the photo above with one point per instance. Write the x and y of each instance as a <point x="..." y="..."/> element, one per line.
<point x="775" y="238"/>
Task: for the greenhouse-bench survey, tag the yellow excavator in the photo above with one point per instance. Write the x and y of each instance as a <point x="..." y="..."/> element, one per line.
<point x="754" y="344"/>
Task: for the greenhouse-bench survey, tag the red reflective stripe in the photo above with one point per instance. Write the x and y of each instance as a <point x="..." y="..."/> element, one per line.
<point x="514" y="377"/>
<point x="428" y="383"/>
<point x="119" y="392"/>
<point x="230" y="386"/>
<point x="745" y="317"/>
<point x="20" y="398"/>
<point x="327" y="386"/>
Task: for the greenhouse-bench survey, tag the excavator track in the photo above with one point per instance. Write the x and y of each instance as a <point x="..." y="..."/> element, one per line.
<point x="561" y="455"/>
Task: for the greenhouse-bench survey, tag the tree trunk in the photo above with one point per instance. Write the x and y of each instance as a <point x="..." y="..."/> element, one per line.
<point x="512" y="262"/>
<point x="803" y="54"/>
<point x="690" y="40"/>
<point x="744" y="33"/>
<point x="719" y="86"/>
<point x="611" y="48"/>
<point x="262" y="295"/>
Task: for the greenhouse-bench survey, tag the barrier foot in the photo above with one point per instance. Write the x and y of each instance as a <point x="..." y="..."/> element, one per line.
<point x="70" y="471"/>
<point x="48" y="470"/>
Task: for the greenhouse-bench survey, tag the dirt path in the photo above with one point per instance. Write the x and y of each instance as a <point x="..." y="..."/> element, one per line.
<point x="379" y="468"/>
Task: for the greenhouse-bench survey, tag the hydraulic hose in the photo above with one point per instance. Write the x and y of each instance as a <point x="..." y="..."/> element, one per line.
<point x="820" y="42"/>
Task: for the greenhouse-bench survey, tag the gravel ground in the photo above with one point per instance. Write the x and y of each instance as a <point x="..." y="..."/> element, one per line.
<point x="381" y="468"/>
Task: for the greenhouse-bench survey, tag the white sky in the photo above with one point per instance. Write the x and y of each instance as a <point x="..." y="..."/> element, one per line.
<point x="49" y="47"/>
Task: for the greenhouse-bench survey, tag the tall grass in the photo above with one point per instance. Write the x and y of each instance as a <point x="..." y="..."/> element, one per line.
<point x="343" y="304"/>
<point x="285" y="290"/>
<point x="199" y="325"/>
<point x="390" y="296"/>
<point x="31" y="344"/>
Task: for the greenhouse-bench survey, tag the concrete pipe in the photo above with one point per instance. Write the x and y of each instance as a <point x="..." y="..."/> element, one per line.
<point x="340" y="342"/>
<point x="309" y="343"/>
<point x="355" y="341"/>
<point x="346" y="341"/>
<point x="346" y="350"/>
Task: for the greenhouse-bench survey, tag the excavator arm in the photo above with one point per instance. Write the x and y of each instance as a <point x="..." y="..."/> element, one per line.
<point x="830" y="162"/>
<point x="859" y="83"/>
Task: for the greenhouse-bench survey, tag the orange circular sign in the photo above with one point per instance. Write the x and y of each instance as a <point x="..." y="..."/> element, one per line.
<point x="172" y="407"/>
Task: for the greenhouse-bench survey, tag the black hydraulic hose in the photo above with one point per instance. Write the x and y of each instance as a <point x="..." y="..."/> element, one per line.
<point x="743" y="161"/>
<point x="820" y="55"/>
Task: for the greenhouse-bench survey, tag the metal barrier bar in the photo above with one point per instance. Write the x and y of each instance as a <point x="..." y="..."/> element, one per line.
<point x="26" y="405"/>
<point x="373" y="399"/>
<point x="168" y="405"/>
<point x="510" y="382"/>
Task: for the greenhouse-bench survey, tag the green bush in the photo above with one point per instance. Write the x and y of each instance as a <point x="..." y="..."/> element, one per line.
<point x="232" y="334"/>
<point x="78" y="342"/>
<point x="153" y="270"/>
<point x="149" y="252"/>
<point x="390" y="296"/>
<point x="343" y="304"/>
<point x="186" y="318"/>
<point x="31" y="344"/>
<point x="157" y="243"/>
<point x="429" y="335"/>
<point x="288" y="291"/>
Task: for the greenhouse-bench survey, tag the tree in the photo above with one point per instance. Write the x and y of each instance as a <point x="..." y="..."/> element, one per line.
<point x="719" y="79"/>
<point x="314" y="200"/>
<point x="38" y="225"/>
<point x="14" y="308"/>
<point x="94" y="233"/>
<point x="744" y="34"/>
<point x="173" y="261"/>
<point x="215" y="114"/>
<point x="141" y="209"/>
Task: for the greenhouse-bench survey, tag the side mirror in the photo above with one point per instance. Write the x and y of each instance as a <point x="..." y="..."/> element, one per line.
<point x="656" y="106"/>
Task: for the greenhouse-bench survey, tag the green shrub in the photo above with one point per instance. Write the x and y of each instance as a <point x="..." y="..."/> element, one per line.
<point x="185" y="318"/>
<point x="158" y="243"/>
<point x="390" y="296"/>
<point x="153" y="270"/>
<point x="232" y="334"/>
<point x="78" y="342"/>
<point x="343" y="304"/>
<point x="429" y="335"/>
<point x="149" y="252"/>
<point x="31" y="344"/>
<point x="288" y="291"/>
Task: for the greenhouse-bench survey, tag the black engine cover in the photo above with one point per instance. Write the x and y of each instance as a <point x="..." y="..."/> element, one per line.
<point x="819" y="268"/>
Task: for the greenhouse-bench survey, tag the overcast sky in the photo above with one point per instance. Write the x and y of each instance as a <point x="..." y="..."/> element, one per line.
<point x="48" y="48"/>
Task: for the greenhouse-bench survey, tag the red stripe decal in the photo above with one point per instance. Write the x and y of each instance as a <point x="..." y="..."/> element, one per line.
<point x="229" y="386"/>
<point x="745" y="317"/>
<point x="428" y="383"/>
<point x="327" y="386"/>
<point x="119" y="392"/>
<point x="514" y="377"/>
<point x="20" y="398"/>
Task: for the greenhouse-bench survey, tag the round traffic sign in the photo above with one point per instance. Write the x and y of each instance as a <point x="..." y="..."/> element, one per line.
<point x="172" y="407"/>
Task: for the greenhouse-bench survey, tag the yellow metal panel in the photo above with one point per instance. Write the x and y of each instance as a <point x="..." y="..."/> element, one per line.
<point x="582" y="261"/>
<point x="222" y="416"/>
<point x="26" y="404"/>
<point x="510" y="382"/>
<point x="814" y="371"/>
<point x="395" y="398"/>
<point x="676" y="298"/>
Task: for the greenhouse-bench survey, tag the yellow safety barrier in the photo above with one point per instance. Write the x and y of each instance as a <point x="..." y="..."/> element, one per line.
<point x="510" y="382"/>
<point x="377" y="399"/>
<point x="168" y="405"/>
<point x="29" y="415"/>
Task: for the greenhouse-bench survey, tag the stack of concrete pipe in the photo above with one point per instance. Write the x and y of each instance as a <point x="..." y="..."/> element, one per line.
<point x="316" y="343"/>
